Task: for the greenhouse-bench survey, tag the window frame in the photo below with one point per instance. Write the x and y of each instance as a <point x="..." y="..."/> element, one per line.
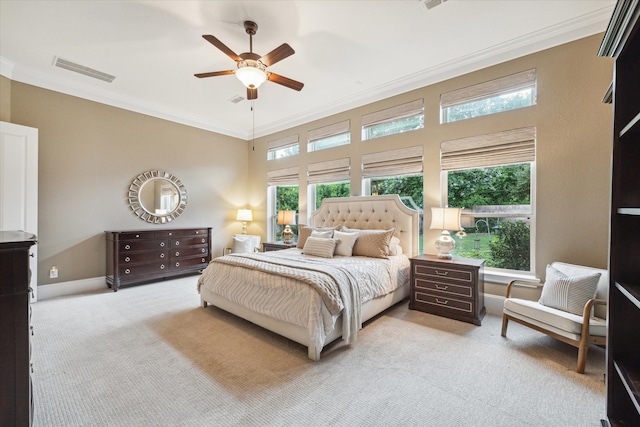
<point x="397" y="114"/>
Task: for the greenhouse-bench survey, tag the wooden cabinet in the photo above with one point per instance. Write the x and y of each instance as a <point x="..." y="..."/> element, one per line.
<point x="450" y="288"/>
<point x="15" y="347"/>
<point x="136" y="256"/>
<point x="277" y="246"/>
<point x="622" y="41"/>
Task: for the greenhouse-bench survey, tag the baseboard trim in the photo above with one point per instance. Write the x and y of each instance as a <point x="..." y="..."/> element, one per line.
<point x="494" y="304"/>
<point x="71" y="288"/>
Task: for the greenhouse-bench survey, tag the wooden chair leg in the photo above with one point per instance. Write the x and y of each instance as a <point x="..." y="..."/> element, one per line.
<point x="583" y="348"/>
<point x="505" y="321"/>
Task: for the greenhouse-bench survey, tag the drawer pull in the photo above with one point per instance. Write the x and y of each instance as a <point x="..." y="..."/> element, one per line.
<point x="177" y="242"/>
<point x="442" y="288"/>
<point x="202" y="250"/>
<point x="177" y="253"/>
<point x="127" y="259"/>
<point x="162" y="255"/>
<point x="204" y="260"/>
<point x="161" y="266"/>
<point x="204" y="240"/>
<point x="127" y="247"/>
<point x="137" y="235"/>
<point x="162" y="244"/>
<point x="177" y="264"/>
<point x="441" y="274"/>
<point x="443" y="302"/>
<point x="127" y="271"/>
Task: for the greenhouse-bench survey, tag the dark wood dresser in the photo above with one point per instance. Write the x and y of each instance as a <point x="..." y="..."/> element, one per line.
<point x="135" y="256"/>
<point x="15" y="348"/>
<point x="451" y="288"/>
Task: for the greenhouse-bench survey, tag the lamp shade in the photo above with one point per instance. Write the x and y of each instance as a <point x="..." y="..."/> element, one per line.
<point x="244" y="215"/>
<point x="445" y="219"/>
<point x="251" y="75"/>
<point x="286" y="217"/>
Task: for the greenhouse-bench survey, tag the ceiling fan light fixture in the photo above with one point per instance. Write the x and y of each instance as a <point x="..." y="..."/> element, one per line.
<point x="251" y="73"/>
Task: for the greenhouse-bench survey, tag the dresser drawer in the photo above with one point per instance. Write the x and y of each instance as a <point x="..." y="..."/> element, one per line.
<point x="189" y="251"/>
<point x="142" y="245"/>
<point x="444" y="273"/>
<point x="445" y="288"/>
<point x="128" y="257"/>
<point x="136" y="235"/>
<point x="453" y="304"/>
<point x="179" y="233"/>
<point x="182" y="263"/>
<point x="142" y="269"/>
<point x="188" y="241"/>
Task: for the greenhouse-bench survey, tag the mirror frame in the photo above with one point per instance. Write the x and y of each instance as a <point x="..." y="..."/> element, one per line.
<point x="142" y="213"/>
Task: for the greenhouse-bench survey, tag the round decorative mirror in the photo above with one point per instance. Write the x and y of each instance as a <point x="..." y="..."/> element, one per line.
<point x="157" y="197"/>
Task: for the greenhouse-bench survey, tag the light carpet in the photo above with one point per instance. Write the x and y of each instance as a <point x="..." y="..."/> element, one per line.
<point x="148" y="355"/>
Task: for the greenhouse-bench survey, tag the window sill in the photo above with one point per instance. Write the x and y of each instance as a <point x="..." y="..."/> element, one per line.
<point x="504" y="278"/>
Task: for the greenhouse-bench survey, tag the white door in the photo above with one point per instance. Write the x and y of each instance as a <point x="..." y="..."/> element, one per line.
<point x="19" y="186"/>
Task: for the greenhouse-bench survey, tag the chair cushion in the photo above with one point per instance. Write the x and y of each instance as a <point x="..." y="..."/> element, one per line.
<point x="560" y="319"/>
<point x="568" y="293"/>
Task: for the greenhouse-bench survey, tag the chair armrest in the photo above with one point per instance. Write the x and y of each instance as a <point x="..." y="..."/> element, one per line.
<point x="586" y="313"/>
<point x="523" y="282"/>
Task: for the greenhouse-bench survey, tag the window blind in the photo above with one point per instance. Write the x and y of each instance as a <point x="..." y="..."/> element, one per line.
<point x="409" y="109"/>
<point x="329" y="171"/>
<point x="327" y="131"/>
<point x="489" y="89"/>
<point x="501" y="148"/>
<point x="283" y="142"/>
<point x="404" y="161"/>
<point x="288" y="176"/>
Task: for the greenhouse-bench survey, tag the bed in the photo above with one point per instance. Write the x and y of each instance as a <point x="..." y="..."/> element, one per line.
<point x="313" y="300"/>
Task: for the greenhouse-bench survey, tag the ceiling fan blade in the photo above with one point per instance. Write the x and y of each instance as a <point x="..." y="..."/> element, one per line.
<point x="217" y="43"/>
<point x="284" y="81"/>
<point x="252" y="93"/>
<point x="214" y="73"/>
<point x="277" y="55"/>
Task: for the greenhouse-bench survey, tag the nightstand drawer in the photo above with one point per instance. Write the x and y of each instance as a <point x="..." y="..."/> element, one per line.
<point x="445" y="288"/>
<point x="465" y="307"/>
<point x="444" y="273"/>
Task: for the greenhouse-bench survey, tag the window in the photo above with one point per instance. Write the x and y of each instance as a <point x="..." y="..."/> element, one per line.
<point x="282" y="194"/>
<point x="491" y="178"/>
<point x="402" y="118"/>
<point x="503" y="94"/>
<point x="329" y="179"/>
<point x="283" y="147"/>
<point x="397" y="172"/>
<point x="329" y="136"/>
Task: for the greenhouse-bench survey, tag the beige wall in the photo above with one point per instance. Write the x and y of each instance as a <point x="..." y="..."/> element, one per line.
<point x="90" y="152"/>
<point x="88" y="155"/>
<point x="5" y="99"/>
<point x="573" y="149"/>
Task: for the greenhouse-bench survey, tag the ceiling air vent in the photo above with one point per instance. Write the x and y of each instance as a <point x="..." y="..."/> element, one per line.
<point x="72" y="66"/>
<point x="236" y="99"/>
<point x="430" y="4"/>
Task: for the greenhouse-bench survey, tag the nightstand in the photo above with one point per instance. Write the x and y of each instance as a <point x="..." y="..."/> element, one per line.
<point x="451" y="288"/>
<point x="277" y="246"/>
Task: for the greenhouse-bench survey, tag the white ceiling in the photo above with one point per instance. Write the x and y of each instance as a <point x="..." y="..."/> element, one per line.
<point x="348" y="53"/>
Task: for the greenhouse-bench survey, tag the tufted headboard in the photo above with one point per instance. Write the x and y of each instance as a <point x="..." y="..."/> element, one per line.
<point x="371" y="212"/>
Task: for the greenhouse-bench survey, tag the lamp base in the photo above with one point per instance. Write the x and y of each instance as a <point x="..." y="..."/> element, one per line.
<point x="244" y="227"/>
<point x="287" y="234"/>
<point x="445" y="244"/>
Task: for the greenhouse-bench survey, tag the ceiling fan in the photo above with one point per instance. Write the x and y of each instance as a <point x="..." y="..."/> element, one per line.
<point x="252" y="68"/>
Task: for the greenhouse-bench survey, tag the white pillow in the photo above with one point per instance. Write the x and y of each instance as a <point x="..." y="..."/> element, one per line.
<point x="317" y="246"/>
<point x="345" y="242"/>
<point x="394" y="246"/>
<point x="245" y="243"/>
<point x="323" y="234"/>
<point x="568" y="293"/>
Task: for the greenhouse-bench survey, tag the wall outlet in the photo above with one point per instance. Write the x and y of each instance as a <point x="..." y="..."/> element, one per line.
<point x="53" y="272"/>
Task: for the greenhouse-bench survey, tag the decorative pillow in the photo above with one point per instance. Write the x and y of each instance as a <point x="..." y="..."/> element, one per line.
<point x="245" y="243"/>
<point x="322" y="234"/>
<point x="304" y="231"/>
<point x="317" y="246"/>
<point x="346" y="242"/>
<point x="568" y="293"/>
<point x="372" y="243"/>
<point x="394" y="246"/>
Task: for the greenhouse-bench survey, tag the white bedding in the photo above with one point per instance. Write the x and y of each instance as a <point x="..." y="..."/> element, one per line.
<point x="265" y="290"/>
